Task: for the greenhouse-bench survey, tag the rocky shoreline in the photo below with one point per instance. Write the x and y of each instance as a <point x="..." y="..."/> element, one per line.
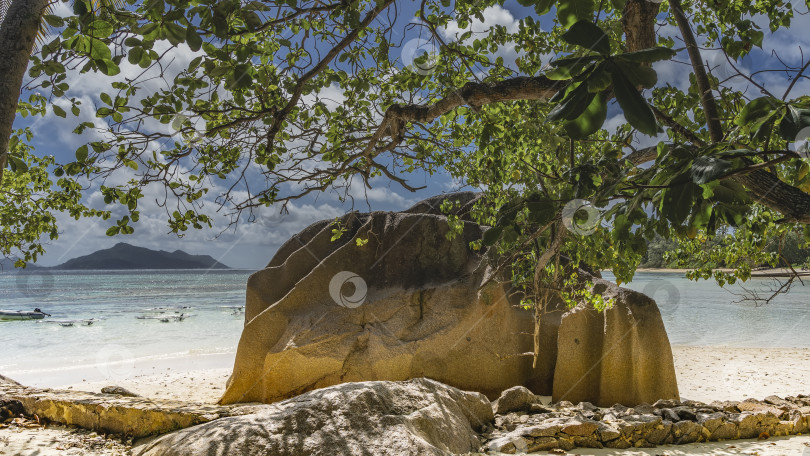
<point x="401" y="417"/>
<point x="524" y="425"/>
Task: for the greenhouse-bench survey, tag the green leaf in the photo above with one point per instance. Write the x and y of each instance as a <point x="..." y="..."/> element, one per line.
<point x="757" y="109"/>
<point x="102" y="29"/>
<point x="585" y="34"/>
<point x="99" y="50"/>
<point x="175" y="33"/>
<point x="108" y="67"/>
<point x="573" y="61"/>
<point x="707" y="169"/>
<point x="589" y="121"/>
<point x="677" y="201"/>
<point x="599" y="79"/>
<point x="113" y="230"/>
<point x="59" y="111"/>
<point x="541" y="7"/>
<point x="81" y="153"/>
<point x="135" y="55"/>
<point x="193" y="39"/>
<point x="793" y="122"/>
<point x="510" y="235"/>
<point x="571" y="11"/>
<point x="54" y="21"/>
<point x="541" y="212"/>
<point x="648" y="55"/>
<point x="639" y="75"/>
<point x="635" y="107"/>
<point x="573" y="105"/>
<point x="492" y="235"/>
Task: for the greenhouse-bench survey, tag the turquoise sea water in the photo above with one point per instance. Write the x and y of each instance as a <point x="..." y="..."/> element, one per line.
<point x="111" y="346"/>
<point x="694" y="313"/>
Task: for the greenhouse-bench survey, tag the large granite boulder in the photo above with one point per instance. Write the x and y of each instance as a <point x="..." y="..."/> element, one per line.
<point x="420" y="417"/>
<point x="394" y="299"/>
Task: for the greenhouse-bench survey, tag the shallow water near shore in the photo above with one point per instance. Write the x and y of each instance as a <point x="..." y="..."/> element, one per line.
<point x="120" y="345"/>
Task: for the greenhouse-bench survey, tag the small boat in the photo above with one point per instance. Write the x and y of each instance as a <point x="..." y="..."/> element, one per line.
<point x="234" y="310"/>
<point x="69" y="323"/>
<point x="36" y="314"/>
<point x="164" y="318"/>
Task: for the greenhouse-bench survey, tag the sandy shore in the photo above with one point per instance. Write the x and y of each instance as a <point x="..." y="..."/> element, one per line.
<point x="711" y="373"/>
<point x="704" y="374"/>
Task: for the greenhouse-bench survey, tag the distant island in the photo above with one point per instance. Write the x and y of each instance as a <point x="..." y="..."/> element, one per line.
<point x="123" y="256"/>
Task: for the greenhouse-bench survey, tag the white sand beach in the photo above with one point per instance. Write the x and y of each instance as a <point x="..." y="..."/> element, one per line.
<point x="704" y="374"/>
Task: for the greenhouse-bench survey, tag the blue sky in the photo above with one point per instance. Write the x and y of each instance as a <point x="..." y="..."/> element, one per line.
<point x="252" y="245"/>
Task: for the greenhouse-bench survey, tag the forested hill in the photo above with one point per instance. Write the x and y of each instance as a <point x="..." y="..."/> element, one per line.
<point x="126" y="256"/>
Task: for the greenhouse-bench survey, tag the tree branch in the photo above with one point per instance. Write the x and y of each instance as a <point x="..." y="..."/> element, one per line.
<point x="704" y="87"/>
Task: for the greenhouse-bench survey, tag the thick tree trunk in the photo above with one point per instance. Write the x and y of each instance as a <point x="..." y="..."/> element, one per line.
<point x="18" y="33"/>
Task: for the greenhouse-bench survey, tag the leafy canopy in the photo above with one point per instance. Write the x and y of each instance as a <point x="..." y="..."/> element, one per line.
<point x="270" y="101"/>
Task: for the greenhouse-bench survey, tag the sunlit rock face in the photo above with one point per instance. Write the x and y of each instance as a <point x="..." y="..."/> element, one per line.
<point x="419" y="416"/>
<point x="394" y="299"/>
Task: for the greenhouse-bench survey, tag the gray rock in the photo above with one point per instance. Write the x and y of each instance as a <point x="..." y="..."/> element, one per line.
<point x="686" y="432"/>
<point x="435" y="318"/>
<point x="419" y="416"/>
<point x="580" y="428"/>
<point x="669" y="414"/>
<point x="686" y="413"/>
<point x="117" y="390"/>
<point x="608" y="432"/>
<point x="515" y="399"/>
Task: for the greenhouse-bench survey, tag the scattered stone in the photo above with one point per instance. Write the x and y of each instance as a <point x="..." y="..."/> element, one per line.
<point x="563" y="426"/>
<point x="580" y="429"/>
<point x="515" y="399"/>
<point x="117" y="390"/>
<point x="685" y="413"/>
<point x="669" y="414"/>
